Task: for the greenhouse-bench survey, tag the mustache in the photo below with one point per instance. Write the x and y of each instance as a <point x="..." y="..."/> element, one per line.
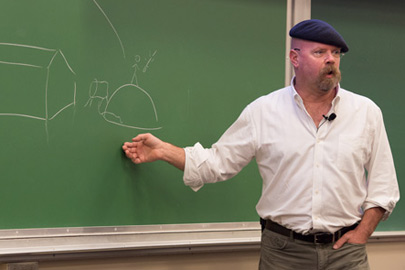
<point x="330" y="70"/>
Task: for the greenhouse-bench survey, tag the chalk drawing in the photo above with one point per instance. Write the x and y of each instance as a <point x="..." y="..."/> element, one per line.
<point x="112" y="26"/>
<point x="19" y="61"/>
<point x="149" y="61"/>
<point x="99" y="93"/>
<point x="99" y="90"/>
<point x="144" y="69"/>
<point x="136" y="68"/>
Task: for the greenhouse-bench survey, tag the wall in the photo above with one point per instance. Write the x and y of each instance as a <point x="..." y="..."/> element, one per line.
<point x="381" y="256"/>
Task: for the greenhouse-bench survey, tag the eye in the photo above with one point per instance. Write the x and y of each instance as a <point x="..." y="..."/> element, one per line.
<point x="319" y="53"/>
<point x="336" y="53"/>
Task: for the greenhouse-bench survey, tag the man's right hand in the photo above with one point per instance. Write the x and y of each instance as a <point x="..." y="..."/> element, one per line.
<point x="148" y="148"/>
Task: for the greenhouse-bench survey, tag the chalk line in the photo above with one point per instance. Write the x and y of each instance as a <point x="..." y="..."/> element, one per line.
<point x="112" y="26"/>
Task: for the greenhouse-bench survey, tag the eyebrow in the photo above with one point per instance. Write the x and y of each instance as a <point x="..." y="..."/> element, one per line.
<point x="323" y="48"/>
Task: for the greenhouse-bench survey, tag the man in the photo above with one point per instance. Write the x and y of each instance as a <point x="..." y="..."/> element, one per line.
<point x="322" y="151"/>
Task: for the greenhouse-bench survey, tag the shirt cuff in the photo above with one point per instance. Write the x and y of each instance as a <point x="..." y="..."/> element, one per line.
<point x="388" y="210"/>
<point x="195" y="156"/>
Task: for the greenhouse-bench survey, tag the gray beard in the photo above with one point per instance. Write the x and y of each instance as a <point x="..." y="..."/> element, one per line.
<point x="326" y="84"/>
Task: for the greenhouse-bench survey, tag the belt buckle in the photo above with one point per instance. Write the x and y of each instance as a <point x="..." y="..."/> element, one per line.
<point x="319" y="240"/>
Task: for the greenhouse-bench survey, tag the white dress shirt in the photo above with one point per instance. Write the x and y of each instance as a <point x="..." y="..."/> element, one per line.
<point x="315" y="179"/>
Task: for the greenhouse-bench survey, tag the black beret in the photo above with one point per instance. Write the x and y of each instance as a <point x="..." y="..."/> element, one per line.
<point x="318" y="31"/>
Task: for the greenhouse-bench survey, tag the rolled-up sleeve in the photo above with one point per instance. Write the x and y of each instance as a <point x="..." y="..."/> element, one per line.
<point x="195" y="156"/>
<point x="234" y="150"/>
<point x="383" y="190"/>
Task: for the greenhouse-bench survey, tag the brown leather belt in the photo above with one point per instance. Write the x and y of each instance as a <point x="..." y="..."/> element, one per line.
<point x="317" y="238"/>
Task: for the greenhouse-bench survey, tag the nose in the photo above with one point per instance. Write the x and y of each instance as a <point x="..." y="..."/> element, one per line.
<point x="329" y="58"/>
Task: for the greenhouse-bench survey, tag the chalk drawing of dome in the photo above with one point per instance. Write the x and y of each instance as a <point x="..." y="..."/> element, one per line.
<point x="131" y="106"/>
<point x="128" y="106"/>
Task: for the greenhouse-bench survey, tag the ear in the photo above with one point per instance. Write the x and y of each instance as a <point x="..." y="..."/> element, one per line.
<point x="294" y="58"/>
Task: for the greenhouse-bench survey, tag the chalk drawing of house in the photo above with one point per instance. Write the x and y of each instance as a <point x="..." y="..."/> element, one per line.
<point x="36" y="83"/>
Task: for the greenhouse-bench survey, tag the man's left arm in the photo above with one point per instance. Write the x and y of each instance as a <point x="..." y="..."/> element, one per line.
<point x="382" y="186"/>
<point x="368" y="224"/>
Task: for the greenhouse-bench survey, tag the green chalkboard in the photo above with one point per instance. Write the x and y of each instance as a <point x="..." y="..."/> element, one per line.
<point x="373" y="67"/>
<point x="80" y="77"/>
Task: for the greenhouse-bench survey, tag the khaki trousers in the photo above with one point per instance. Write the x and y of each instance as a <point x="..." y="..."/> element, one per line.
<point x="280" y="252"/>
